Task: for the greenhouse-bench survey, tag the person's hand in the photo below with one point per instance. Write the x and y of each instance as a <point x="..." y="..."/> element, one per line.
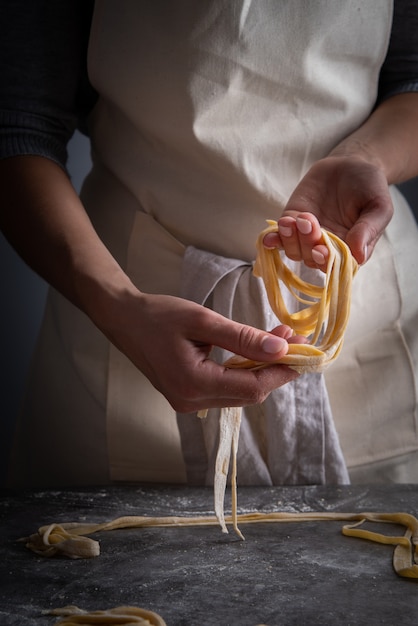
<point x="347" y="195"/>
<point x="167" y="338"/>
<point x="170" y="340"/>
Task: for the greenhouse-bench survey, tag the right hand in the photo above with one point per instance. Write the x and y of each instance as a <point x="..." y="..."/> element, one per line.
<point x="170" y="339"/>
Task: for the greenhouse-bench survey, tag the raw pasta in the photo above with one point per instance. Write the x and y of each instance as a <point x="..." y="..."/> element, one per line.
<point x="326" y="312"/>
<point x="229" y="427"/>
<point x="59" y="537"/>
<point x="324" y="319"/>
<point x="129" y="615"/>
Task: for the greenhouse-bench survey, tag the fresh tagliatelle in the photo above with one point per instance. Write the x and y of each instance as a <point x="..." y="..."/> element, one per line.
<point x="128" y="615"/>
<point x="324" y="316"/>
<point x="323" y="319"/>
<point x="68" y="539"/>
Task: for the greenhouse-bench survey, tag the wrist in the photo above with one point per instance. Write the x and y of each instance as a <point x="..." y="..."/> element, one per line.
<point x="104" y="296"/>
<point x="388" y="139"/>
<point x="355" y="149"/>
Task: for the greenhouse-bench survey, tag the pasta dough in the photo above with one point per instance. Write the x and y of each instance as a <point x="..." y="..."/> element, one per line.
<point x="129" y="615"/>
<point x="229" y="427"/>
<point x="55" y="539"/>
<point x="323" y="319"/>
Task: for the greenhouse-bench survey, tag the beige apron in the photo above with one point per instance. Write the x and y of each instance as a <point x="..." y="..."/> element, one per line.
<point x="210" y="113"/>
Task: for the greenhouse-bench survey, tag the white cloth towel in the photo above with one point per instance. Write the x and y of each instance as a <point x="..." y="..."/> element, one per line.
<point x="288" y="439"/>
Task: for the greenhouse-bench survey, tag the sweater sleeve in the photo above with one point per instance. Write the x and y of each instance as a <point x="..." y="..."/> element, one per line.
<point x="44" y="91"/>
<point x="399" y="73"/>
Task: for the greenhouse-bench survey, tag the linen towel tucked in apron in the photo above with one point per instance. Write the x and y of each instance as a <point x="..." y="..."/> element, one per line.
<point x="288" y="439"/>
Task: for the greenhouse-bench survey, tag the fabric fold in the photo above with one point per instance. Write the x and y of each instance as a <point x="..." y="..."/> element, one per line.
<point x="288" y="439"/>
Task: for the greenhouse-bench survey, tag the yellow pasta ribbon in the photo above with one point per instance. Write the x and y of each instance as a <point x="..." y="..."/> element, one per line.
<point x="129" y="615"/>
<point x="324" y="317"/>
<point x="60" y="537"/>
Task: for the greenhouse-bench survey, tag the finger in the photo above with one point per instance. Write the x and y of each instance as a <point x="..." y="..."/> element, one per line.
<point x="272" y="241"/>
<point x="320" y="256"/>
<point x="369" y="227"/>
<point x="289" y="237"/>
<point x="298" y="339"/>
<point x="244" y="340"/>
<point x="283" y="331"/>
<point x="286" y="332"/>
<point x="258" y="384"/>
<point x="362" y="239"/>
<point x="309" y="233"/>
<point x="301" y="234"/>
<point x="310" y="238"/>
<point x="239" y="387"/>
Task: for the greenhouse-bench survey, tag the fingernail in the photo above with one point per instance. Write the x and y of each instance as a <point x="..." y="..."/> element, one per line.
<point x="266" y="243"/>
<point x="272" y="344"/>
<point x="286" y="231"/>
<point x="304" y="226"/>
<point x="318" y="257"/>
<point x="365" y="252"/>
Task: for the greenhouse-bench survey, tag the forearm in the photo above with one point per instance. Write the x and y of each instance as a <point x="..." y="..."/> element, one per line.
<point x="44" y="220"/>
<point x="168" y="339"/>
<point x="388" y="138"/>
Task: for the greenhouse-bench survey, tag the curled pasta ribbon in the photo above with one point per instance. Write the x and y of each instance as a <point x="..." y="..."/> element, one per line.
<point x="129" y="615"/>
<point x="405" y="556"/>
<point x="55" y="540"/>
<point x="324" y="317"/>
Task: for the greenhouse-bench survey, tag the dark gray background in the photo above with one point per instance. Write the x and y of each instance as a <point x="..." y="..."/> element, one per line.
<point x="21" y="309"/>
<point x="22" y="303"/>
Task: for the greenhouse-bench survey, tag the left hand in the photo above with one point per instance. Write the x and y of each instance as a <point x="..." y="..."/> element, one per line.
<point x="347" y="195"/>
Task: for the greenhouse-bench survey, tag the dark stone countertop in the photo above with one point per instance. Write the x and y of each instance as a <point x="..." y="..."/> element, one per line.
<point x="282" y="574"/>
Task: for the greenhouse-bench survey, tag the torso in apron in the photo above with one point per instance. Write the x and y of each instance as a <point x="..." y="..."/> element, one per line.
<point x="209" y="115"/>
<point x="211" y="112"/>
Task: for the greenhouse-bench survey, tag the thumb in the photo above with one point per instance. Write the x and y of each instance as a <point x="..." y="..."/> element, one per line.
<point x="361" y="240"/>
<point x="250" y="342"/>
<point x="369" y="227"/>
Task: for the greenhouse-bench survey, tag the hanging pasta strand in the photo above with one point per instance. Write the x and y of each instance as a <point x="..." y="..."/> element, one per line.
<point x="229" y="427"/>
<point x="323" y="319"/>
